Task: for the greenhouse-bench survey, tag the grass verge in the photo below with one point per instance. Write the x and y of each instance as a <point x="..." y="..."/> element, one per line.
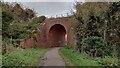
<point x="23" y="57"/>
<point x="0" y="60"/>
<point x="73" y="58"/>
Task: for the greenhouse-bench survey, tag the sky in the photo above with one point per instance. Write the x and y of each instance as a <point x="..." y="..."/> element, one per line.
<point x="48" y="8"/>
<point x="51" y="8"/>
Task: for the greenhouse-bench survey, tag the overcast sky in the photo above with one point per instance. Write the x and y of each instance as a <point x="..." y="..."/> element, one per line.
<point x="49" y="7"/>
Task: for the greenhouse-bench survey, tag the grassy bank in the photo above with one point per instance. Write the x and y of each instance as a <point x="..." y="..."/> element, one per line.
<point x="73" y="58"/>
<point x="23" y="57"/>
<point x="0" y="51"/>
<point x="108" y="61"/>
<point x="0" y="60"/>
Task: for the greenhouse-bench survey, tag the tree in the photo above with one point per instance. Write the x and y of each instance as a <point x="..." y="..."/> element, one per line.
<point x="103" y="22"/>
<point x="18" y="23"/>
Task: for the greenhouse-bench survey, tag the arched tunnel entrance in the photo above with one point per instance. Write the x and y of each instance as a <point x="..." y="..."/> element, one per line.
<point x="57" y="36"/>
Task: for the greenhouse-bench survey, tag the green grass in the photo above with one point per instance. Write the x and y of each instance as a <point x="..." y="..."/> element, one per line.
<point x="0" y="60"/>
<point x="24" y="57"/>
<point x="108" y="61"/>
<point x="0" y="51"/>
<point x="74" y="58"/>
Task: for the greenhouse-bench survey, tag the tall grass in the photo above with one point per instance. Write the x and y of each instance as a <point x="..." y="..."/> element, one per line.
<point x="0" y="50"/>
<point x="0" y="60"/>
<point x="75" y="58"/>
<point x="25" y="57"/>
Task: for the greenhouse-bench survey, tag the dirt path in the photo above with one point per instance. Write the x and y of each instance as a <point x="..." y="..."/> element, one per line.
<point x="52" y="58"/>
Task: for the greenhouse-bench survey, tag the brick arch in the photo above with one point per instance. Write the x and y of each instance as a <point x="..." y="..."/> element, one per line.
<point x="57" y="35"/>
<point x="43" y="39"/>
<point x="57" y="24"/>
<point x="65" y="22"/>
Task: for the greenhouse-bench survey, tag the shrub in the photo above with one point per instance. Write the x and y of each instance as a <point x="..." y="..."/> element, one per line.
<point x="94" y="46"/>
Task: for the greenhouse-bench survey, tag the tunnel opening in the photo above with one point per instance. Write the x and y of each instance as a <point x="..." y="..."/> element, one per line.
<point x="57" y="36"/>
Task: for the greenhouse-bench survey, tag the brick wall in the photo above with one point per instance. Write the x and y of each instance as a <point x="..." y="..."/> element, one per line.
<point x="65" y="22"/>
<point x="44" y="39"/>
<point x="28" y="43"/>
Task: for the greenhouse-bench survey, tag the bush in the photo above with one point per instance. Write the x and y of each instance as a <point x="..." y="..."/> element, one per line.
<point x="94" y="46"/>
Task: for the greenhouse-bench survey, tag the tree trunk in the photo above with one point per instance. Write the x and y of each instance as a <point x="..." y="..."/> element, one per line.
<point x="105" y="38"/>
<point x="4" y="49"/>
<point x="81" y="49"/>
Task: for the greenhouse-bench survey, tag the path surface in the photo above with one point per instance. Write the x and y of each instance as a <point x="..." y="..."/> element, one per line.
<point x="52" y="58"/>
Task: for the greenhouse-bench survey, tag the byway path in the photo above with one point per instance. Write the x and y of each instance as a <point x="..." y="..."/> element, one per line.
<point x="52" y="58"/>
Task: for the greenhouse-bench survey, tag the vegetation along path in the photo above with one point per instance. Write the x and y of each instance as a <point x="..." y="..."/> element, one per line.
<point x="52" y="58"/>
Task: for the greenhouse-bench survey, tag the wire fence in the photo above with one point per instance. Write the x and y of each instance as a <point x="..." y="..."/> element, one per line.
<point x="61" y="15"/>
